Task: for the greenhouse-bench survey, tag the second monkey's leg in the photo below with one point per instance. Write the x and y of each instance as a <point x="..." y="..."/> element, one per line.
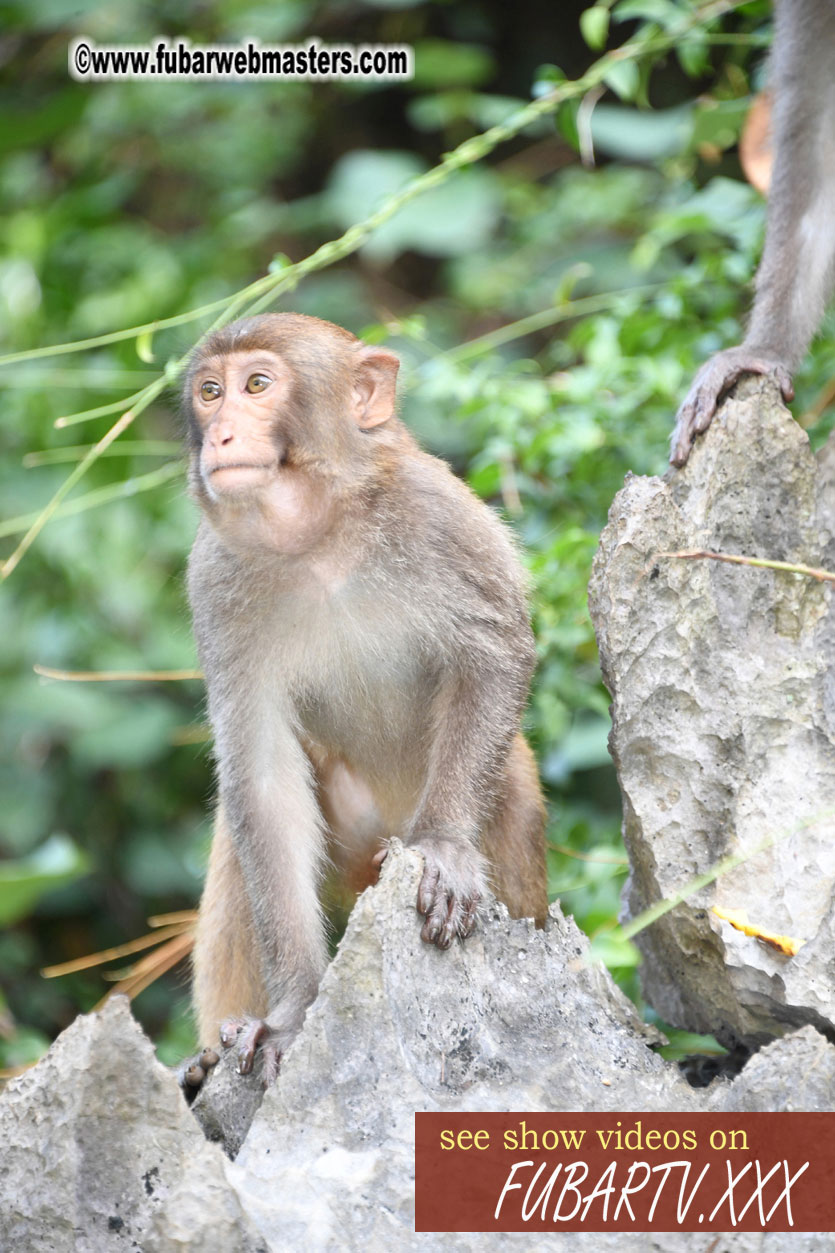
<point x="797" y="272"/>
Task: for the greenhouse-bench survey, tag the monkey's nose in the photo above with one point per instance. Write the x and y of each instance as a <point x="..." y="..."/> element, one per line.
<point x="221" y="436"/>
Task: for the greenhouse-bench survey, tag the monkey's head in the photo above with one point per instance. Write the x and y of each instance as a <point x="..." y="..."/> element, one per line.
<point x="284" y="412"/>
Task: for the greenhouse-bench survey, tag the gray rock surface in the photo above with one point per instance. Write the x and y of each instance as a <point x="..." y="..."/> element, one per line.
<point x="514" y="1018"/>
<point x="227" y="1103"/>
<point x="794" y="1073"/>
<point x="723" y="685"/>
<point x="97" y="1144"/>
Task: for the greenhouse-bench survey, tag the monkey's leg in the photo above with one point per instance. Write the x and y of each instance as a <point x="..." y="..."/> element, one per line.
<point x="796" y="274"/>
<point x="225" y="965"/>
<point x="275" y="828"/>
<point x="226" y="961"/>
<point x="513" y="840"/>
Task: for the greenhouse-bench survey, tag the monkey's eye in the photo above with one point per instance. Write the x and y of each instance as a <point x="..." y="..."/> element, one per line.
<point x="257" y="383"/>
<point x="209" y="391"/>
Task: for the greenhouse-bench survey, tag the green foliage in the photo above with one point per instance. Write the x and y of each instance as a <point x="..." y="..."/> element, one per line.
<point x="684" y="1043"/>
<point x="447" y="221"/>
<point x="594" y="23"/>
<point x="549" y="316"/>
<point x="23" y="882"/>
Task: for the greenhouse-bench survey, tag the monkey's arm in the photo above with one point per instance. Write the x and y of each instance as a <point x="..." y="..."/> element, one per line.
<point x="796" y="274"/>
<point x="475" y="716"/>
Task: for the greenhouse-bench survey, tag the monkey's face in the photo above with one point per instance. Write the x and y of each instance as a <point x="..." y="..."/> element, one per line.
<point x="281" y="411"/>
<point x="237" y="401"/>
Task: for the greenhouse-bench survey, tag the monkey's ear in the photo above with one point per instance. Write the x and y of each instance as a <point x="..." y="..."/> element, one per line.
<point x="375" y="385"/>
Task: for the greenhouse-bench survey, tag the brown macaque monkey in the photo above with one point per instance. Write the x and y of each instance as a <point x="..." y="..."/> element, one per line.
<point x="797" y="271"/>
<point x="361" y="619"/>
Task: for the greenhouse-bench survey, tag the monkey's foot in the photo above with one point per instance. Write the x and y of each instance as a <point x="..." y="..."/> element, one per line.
<point x="251" y="1036"/>
<point x="450" y="889"/>
<point x="191" y="1074"/>
<point x="716" y="377"/>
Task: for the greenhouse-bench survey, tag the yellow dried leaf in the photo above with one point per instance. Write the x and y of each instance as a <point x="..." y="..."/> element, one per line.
<point x="739" y="920"/>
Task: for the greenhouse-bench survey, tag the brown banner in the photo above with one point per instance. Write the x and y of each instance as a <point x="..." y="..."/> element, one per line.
<point x="624" y="1172"/>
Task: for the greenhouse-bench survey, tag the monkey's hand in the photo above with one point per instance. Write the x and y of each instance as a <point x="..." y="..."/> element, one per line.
<point x="251" y="1036"/>
<point x="450" y="889"/>
<point x="716" y="377"/>
<point x="191" y="1073"/>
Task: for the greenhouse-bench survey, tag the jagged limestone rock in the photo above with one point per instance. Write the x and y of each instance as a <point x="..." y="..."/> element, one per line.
<point x="227" y="1102"/>
<point x="723" y="686"/>
<point x="794" y="1073"/>
<point x="512" y="1019"/>
<point x="97" y="1142"/>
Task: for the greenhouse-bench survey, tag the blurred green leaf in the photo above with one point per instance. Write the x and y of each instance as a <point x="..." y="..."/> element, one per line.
<point x="594" y="23"/>
<point x="25" y="881"/>
<point x="586" y="745"/>
<point x="720" y="122"/>
<point x="614" y="952"/>
<point x="666" y="13"/>
<point x="137" y="733"/>
<point x="441" y="63"/>
<point x="456" y="217"/>
<point x="638" y="135"/>
<point x="624" y="79"/>
<point x="684" y="1043"/>
<point x="23" y="1047"/>
<point x="694" y="55"/>
<point x="567" y="123"/>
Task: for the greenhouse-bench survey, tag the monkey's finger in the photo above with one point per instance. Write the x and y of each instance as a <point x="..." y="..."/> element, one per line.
<point x="682" y="445"/>
<point x="208" y="1058"/>
<point x="785" y="383"/>
<point x="431" y="929"/>
<point x="451" y="924"/>
<point x="682" y="440"/>
<point x="428" y="890"/>
<point x="686" y="413"/>
<point x="470" y="913"/>
<point x="428" y="932"/>
<point x="705" y="413"/>
<point x="437" y="920"/>
<point x="194" y="1075"/>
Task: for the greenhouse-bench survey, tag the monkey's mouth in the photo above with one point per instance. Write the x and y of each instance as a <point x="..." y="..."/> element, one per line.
<point x="229" y="475"/>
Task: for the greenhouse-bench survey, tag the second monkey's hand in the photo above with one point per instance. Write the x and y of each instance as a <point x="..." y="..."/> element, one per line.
<point x="713" y="381"/>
